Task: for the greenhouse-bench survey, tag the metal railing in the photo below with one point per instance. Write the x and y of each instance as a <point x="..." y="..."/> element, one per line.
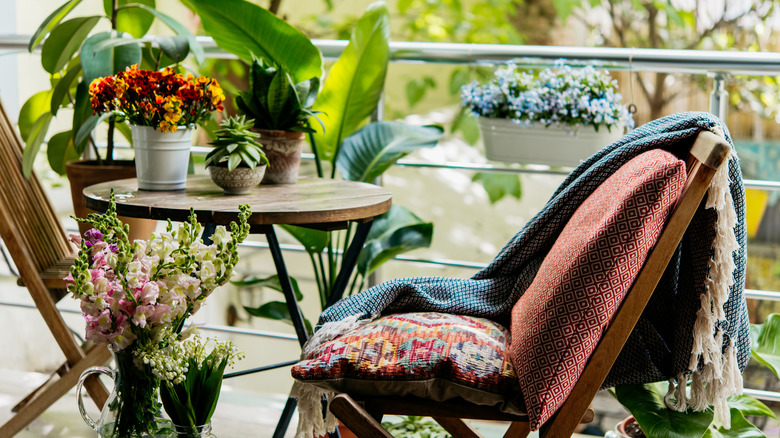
<point x="716" y="64"/>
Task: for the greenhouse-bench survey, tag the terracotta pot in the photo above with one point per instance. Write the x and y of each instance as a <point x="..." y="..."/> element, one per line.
<point x="238" y="182"/>
<point x="86" y="173"/>
<point x="283" y="149"/>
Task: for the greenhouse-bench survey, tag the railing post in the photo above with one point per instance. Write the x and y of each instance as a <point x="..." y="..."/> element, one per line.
<point x="719" y="98"/>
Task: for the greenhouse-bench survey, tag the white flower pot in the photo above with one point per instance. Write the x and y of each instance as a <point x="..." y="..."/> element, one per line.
<point x="161" y="158"/>
<point x="554" y="146"/>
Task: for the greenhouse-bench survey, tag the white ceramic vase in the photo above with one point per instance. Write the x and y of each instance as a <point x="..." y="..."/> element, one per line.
<point x="161" y="158"/>
<point x="554" y="146"/>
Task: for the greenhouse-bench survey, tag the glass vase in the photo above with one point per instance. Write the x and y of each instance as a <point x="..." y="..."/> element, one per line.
<point x="133" y="407"/>
<point x="192" y="431"/>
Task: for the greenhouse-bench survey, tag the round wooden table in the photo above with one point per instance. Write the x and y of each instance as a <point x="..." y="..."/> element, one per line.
<point x="320" y="203"/>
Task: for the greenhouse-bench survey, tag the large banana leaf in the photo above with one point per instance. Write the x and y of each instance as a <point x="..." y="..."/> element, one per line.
<point x="393" y="233"/>
<point x="367" y="153"/>
<point x="64" y="41"/>
<point x="646" y="404"/>
<point x="767" y="349"/>
<point x="355" y="82"/>
<point x="248" y="31"/>
<point x="101" y="63"/>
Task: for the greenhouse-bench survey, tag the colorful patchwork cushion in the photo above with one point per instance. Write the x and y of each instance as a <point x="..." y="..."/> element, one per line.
<point x="437" y="356"/>
<point x="558" y="321"/>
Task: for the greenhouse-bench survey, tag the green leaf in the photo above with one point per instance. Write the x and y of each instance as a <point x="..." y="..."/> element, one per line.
<point x="740" y="428"/>
<point x="60" y="150"/>
<point x="416" y="89"/>
<point x="645" y="402"/>
<point x="83" y="119"/>
<point x="276" y="310"/>
<point x="498" y="185"/>
<point x="176" y="47"/>
<point x="38" y="104"/>
<point x="355" y="82"/>
<point x="34" y="142"/>
<point x="767" y="349"/>
<point x="248" y="31"/>
<point x="64" y="41"/>
<point x="271" y="282"/>
<point x="134" y="22"/>
<point x="106" y="53"/>
<point x="460" y="77"/>
<point x="393" y="233"/>
<point x="50" y="22"/>
<point x="750" y="406"/>
<point x="377" y="146"/>
<point x="565" y="8"/>
<point x="314" y="241"/>
<point x="467" y="124"/>
<point x="86" y="129"/>
<point x="64" y="85"/>
<point x="178" y="28"/>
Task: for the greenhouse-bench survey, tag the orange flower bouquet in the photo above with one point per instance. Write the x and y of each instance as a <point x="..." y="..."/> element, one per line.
<point x="163" y="99"/>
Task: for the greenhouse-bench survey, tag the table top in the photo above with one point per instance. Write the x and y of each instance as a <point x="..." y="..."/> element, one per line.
<point x="311" y="201"/>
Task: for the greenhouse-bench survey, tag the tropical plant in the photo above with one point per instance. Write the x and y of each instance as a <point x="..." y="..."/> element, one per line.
<point x="275" y="102"/>
<point x="74" y="57"/>
<point x="236" y="144"/>
<point x="646" y="402"/>
<point x="347" y="144"/>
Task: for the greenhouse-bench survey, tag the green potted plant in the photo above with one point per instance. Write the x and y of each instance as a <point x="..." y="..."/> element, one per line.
<point x="573" y="112"/>
<point x="74" y="55"/>
<point x="281" y="110"/>
<point x="237" y="162"/>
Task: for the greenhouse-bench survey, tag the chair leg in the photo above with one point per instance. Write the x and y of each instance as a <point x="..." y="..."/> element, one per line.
<point x="457" y="427"/>
<point x="53" y="391"/>
<point x="360" y="422"/>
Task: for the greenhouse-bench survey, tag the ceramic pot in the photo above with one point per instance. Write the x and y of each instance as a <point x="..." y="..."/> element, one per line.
<point x="161" y="158"/>
<point x="85" y="173"/>
<point x="238" y="182"/>
<point x="283" y="149"/>
<point x="554" y="146"/>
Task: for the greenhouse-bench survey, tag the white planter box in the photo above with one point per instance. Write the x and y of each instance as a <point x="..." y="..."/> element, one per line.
<point x="553" y="146"/>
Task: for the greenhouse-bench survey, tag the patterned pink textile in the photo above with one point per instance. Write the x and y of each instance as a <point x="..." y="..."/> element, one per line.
<point x="560" y="318"/>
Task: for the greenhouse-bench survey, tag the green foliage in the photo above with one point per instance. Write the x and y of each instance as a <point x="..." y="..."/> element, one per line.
<point x="498" y="185"/>
<point x="236" y="144"/>
<point x="415" y="427"/>
<point x="275" y="102"/>
<point x="766" y="349"/>
<point x="73" y="57"/>
<point x="249" y="31"/>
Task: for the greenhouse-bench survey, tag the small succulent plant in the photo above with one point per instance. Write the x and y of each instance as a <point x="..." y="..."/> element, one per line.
<point x="236" y="144"/>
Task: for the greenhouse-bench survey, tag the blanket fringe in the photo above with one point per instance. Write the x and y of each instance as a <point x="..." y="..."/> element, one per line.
<point x="713" y="369"/>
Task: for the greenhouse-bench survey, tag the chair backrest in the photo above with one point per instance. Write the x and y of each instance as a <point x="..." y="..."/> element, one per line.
<point x="706" y="155"/>
<point x="28" y="224"/>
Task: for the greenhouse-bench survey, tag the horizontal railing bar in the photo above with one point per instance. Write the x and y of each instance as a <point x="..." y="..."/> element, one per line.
<point x="764" y="295"/>
<point x="763" y="395"/>
<point x="614" y="58"/>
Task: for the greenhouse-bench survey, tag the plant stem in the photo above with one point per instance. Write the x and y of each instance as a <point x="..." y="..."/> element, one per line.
<point x="325" y="292"/>
<point x="318" y="280"/>
<point x="110" y="142"/>
<point x="315" y="151"/>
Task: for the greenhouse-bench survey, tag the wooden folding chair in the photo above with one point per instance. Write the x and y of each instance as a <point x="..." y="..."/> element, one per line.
<point x="42" y="254"/>
<point x="363" y="414"/>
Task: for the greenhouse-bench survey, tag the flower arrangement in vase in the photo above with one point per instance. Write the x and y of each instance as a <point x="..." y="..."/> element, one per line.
<point x="570" y="104"/>
<point x="237" y="162"/>
<point x="135" y="297"/>
<point x="281" y="110"/>
<point x="162" y="108"/>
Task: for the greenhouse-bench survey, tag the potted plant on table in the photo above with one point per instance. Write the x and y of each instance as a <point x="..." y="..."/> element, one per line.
<point x="558" y="117"/>
<point x="163" y="108"/>
<point x="237" y="163"/>
<point x="135" y="297"/>
<point x="281" y="110"/>
<point x="74" y="54"/>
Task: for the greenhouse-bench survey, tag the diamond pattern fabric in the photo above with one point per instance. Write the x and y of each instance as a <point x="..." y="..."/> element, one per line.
<point x="559" y="320"/>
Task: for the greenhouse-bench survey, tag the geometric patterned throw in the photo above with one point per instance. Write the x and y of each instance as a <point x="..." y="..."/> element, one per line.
<point x="560" y="318"/>
<point x="438" y="356"/>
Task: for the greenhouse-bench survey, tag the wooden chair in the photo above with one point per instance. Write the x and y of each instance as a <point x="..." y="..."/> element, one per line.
<point x="42" y="254"/>
<point x="363" y="414"/>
